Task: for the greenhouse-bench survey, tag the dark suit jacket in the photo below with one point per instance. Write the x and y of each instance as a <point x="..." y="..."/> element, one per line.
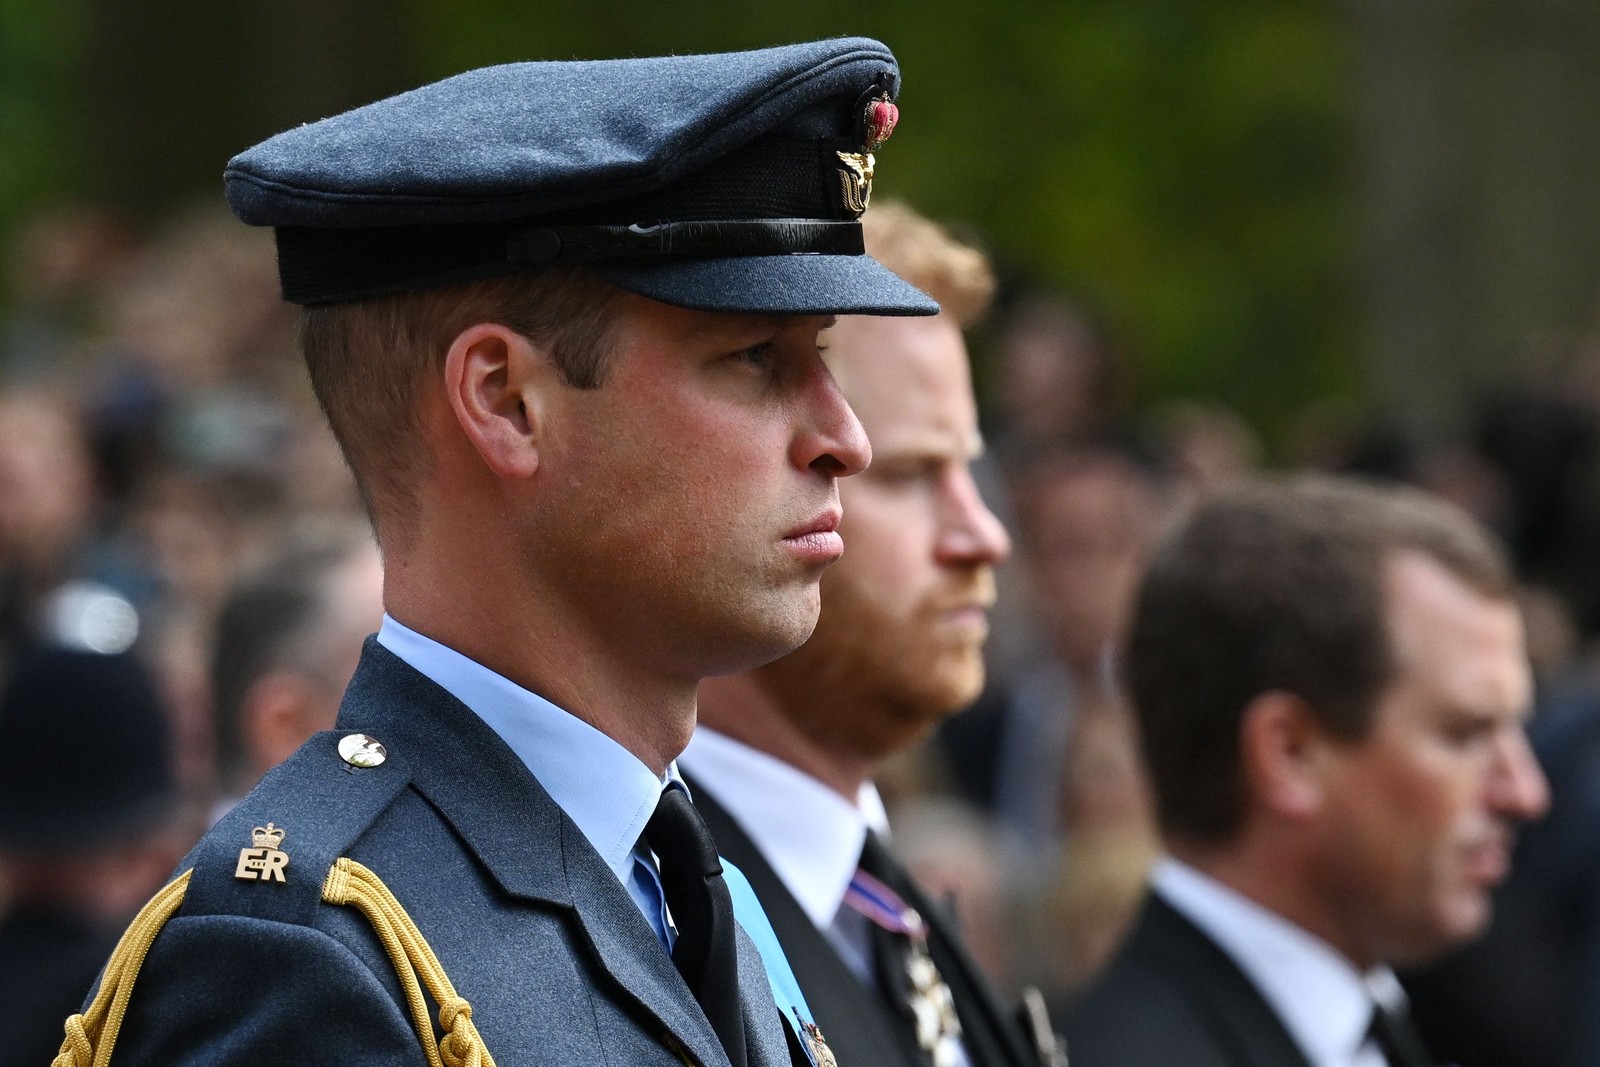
<point x="1171" y="997"/>
<point x="860" y="1025"/>
<point x="528" y="921"/>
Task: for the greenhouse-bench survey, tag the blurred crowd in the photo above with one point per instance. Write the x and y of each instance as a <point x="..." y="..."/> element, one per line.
<point x="174" y="511"/>
<point x="185" y="574"/>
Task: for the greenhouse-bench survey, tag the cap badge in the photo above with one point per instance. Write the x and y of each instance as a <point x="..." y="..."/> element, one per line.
<point x="821" y="1054"/>
<point x="879" y="116"/>
<point x="855" y="180"/>
<point x="266" y="861"/>
<point x="879" y="121"/>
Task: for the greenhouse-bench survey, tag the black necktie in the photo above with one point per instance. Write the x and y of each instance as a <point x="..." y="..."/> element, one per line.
<point x="702" y="911"/>
<point x="1398" y="1041"/>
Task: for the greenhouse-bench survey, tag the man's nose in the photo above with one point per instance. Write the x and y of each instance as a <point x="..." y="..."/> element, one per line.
<point x="832" y="441"/>
<point x="970" y="532"/>
<point x="1519" y="789"/>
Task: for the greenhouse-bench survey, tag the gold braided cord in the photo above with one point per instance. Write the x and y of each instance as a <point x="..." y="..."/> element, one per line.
<point x="350" y="883"/>
<point x="92" y="1034"/>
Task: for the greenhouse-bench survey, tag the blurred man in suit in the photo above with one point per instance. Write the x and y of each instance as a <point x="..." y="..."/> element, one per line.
<point x="1330" y="684"/>
<point x="782" y="766"/>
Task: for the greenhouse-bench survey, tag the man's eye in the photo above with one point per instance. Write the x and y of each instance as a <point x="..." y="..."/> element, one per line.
<point x="759" y="355"/>
<point x="908" y="473"/>
<point x="1469" y="731"/>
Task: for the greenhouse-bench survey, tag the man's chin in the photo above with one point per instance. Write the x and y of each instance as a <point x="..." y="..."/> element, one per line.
<point x="1458" y="921"/>
<point x="962" y="671"/>
<point x="945" y="689"/>
<point x="771" y="633"/>
<point x="1470" y="916"/>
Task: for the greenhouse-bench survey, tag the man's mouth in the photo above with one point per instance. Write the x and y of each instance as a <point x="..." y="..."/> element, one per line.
<point x="817" y="539"/>
<point x="1488" y="862"/>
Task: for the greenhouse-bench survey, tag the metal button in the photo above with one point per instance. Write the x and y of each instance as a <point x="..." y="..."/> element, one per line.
<point x="359" y="750"/>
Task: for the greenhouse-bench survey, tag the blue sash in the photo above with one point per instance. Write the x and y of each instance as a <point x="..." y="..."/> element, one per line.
<point x="785" y="990"/>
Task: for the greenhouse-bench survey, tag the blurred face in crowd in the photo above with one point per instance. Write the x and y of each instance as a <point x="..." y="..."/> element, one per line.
<point x="46" y="484"/>
<point x="1087" y="523"/>
<point x="286" y="706"/>
<point x="1056" y="377"/>
<point x="1421" y="812"/>
<point x="905" y="612"/>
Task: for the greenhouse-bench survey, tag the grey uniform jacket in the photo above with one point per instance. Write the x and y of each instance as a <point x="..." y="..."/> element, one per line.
<point x="527" y="920"/>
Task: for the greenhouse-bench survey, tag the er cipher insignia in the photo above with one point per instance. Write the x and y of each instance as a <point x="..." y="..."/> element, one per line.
<point x="266" y="861"/>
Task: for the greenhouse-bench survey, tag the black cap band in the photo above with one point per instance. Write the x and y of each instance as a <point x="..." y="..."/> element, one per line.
<point x="329" y="266"/>
<point x="776" y="196"/>
<point x="748" y="237"/>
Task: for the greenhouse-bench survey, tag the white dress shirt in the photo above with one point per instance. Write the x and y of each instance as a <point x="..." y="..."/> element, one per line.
<point x="1322" y="1000"/>
<point x="809" y="834"/>
<point x="814" y="854"/>
<point x="568" y="757"/>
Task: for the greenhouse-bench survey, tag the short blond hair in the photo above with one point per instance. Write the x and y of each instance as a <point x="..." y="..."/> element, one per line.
<point x="924" y="254"/>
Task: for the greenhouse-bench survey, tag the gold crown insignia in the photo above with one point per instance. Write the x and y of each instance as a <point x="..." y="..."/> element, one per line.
<point x="268" y="836"/>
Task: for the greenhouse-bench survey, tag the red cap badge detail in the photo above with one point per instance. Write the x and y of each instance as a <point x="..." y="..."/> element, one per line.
<point x="880" y="120"/>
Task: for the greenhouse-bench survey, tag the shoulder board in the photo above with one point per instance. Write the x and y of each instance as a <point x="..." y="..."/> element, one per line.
<point x="268" y="857"/>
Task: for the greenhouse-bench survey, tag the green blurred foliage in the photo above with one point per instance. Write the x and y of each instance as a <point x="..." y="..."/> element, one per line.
<point x="39" y="128"/>
<point x="1180" y="167"/>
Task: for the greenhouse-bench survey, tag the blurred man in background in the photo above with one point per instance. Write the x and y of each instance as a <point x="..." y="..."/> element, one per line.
<point x="1086" y="515"/>
<point x="47" y="507"/>
<point x="1331" y="683"/>
<point x="287" y="643"/>
<point x="782" y="765"/>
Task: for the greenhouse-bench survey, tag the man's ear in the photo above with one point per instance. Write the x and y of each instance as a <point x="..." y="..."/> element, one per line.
<point x="1281" y="753"/>
<point x="497" y="382"/>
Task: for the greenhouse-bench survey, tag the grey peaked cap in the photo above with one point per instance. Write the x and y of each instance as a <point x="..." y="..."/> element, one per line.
<point x="728" y="162"/>
<point x="535" y="138"/>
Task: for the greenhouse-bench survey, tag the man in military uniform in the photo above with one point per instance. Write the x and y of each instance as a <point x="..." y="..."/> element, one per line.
<point x="782" y="765"/>
<point x="563" y="319"/>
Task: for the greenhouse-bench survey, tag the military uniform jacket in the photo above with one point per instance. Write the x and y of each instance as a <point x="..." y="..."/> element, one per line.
<point x="860" y="1027"/>
<point x="530" y="925"/>
<point x="1172" y="996"/>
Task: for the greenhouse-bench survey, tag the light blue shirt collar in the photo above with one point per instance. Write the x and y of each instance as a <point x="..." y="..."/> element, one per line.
<point x="569" y="757"/>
